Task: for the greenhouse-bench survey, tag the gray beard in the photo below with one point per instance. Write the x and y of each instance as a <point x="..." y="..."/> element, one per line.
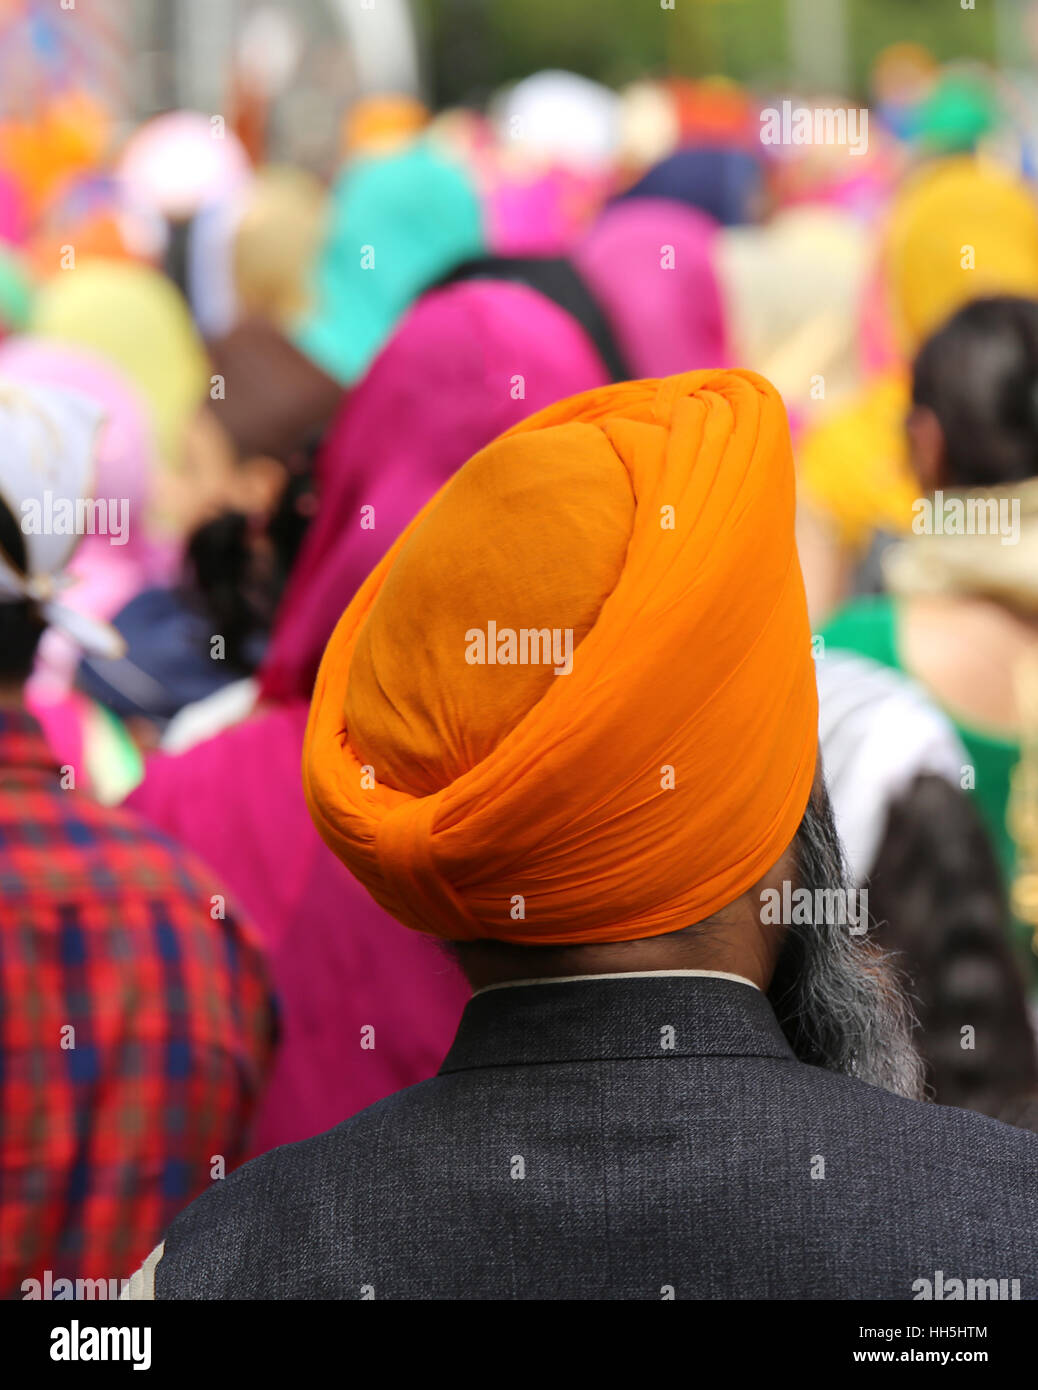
<point x="836" y="997"/>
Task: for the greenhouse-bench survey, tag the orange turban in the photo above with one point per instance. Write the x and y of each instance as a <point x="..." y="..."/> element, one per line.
<point x="635" y="789"/>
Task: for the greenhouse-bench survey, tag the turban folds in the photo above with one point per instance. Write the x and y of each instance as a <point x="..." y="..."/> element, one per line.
<point x="662" y="775"/>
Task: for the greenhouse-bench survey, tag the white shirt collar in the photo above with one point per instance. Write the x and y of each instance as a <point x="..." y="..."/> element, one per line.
<point x="621" y="975"/>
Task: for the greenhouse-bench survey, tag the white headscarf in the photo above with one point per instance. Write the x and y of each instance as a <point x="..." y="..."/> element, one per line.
<point x="48" y="440"/>
<point x="558" y="117"/>
<point x="878" y="731"/>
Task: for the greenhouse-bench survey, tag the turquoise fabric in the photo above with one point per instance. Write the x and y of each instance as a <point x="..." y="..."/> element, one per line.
<point x="397" y="223"/>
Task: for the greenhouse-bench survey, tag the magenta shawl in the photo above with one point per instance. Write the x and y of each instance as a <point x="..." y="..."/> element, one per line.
<point x="466" y="364"/>
<point x="650" y="264"/>
<point x="445" y="385"/>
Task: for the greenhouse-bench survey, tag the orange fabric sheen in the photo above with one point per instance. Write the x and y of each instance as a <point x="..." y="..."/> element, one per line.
<point x="494" y="784"/>
<point x="509" y="573"/>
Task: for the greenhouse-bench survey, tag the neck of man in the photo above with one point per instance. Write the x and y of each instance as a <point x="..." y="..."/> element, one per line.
<point x="730" y="947"/>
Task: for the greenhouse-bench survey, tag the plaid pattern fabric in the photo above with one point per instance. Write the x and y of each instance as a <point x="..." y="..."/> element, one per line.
<point x="135" y="1027"/>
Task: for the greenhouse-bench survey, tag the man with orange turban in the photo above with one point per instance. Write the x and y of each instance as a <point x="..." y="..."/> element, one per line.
<point x="569" y="726"/>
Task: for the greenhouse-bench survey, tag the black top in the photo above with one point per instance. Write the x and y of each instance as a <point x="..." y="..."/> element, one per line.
<point x="622" y="1138"/>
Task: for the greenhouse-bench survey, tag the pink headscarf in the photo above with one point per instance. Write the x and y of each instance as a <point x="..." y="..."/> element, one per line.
<point x="467" y="363"/>
<point x="445" y="385"/>
<point x="14" y="220"/>
<point x="649" y="262"/>
<point x="541" y="213"/>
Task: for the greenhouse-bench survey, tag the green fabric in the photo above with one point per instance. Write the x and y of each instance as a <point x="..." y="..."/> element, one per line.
<point x="15" y="291"/>
<point x="113" y="761"/>
<point x="959" y="112"/>
<point x="869" y="626"/>
<point x="396" y="225"/>
<point x="865" y="626"/>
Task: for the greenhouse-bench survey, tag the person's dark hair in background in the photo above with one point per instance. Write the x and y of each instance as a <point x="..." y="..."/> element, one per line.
<point x="272" y="406"/>
<point x="558" y="280"/>
<point x="977" y="380"/>
<point x="936" y="894"/>
<point x="21" y="625"/>
<point x="960" y="611"/>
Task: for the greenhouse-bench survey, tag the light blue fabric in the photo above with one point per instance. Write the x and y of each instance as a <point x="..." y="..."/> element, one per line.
<point x="397" y="224"/>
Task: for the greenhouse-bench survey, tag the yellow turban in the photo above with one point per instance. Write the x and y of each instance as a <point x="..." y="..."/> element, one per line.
<point x="854" y="466"/>
<point x="134" y="317"/>
<point x="959" y="230"/>
<point x="648" y="782"/>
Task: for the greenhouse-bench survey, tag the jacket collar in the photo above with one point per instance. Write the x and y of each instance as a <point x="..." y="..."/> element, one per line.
<point x="600" y="1018"/>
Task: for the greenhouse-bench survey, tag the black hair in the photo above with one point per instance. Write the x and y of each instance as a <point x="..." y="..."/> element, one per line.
<point x="21" y="624"/>
<point x="238" y="583"/>
<point x="936" y="891"/>
<point x="979" y="376"/>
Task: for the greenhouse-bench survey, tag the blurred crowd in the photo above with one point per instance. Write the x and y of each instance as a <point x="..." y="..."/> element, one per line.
<point x="283" y="372"/>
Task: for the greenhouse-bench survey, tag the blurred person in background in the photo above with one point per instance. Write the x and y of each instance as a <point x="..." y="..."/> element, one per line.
<point x="107" y="574"/>
<point x="792" y="291"/>
<point x="894" y="768"/>
<point x="137" y="1025"/>
<point x="275" y="243"/>
<point x="397" y="223"/>
<point x="242" y="500"/>
<point x="557" y="279"/>
<point x="133" y="317"/>
<point x="957" y="229"/>
<point x="936" y="892"/>
<point x="725" y="182"/>
<point x="961" y="616"/>
<point x="367" y="1007"/>
<point x="653" y="266"/>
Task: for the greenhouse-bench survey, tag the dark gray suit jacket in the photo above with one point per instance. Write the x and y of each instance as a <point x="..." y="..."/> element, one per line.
<point x="631" y="1139"/>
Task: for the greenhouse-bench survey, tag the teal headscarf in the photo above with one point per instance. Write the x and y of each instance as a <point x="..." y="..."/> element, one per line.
<point x="957" y="114"/>
<point x="397" y="223"/>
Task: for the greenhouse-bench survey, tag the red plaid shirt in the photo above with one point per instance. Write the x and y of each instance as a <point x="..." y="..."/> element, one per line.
<point x="135" y="1027"/>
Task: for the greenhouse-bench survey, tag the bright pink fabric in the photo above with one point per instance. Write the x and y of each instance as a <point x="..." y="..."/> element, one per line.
<point x="650" y="263"/>
<point x="340" y="965"/>
<point x="540" y="214"/>
<point x="467" y="363"/>
<point x="14" y="218"/>
<point x="446" y="384"/>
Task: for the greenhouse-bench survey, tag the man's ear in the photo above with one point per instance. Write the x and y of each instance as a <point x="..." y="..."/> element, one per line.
<point x="926" y="447"/>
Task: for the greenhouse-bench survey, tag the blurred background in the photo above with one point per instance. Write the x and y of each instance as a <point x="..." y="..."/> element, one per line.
<point x="315" y="56"/>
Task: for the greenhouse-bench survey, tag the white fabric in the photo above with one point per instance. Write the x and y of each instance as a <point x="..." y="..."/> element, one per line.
<point x="558" y="116"/>
<point x="141" y="1285"/>
<point x="204" y="719"/>
<point x="48" y="443"/>
<point x="878" y="732"/>
<point x="621" y="975"/>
